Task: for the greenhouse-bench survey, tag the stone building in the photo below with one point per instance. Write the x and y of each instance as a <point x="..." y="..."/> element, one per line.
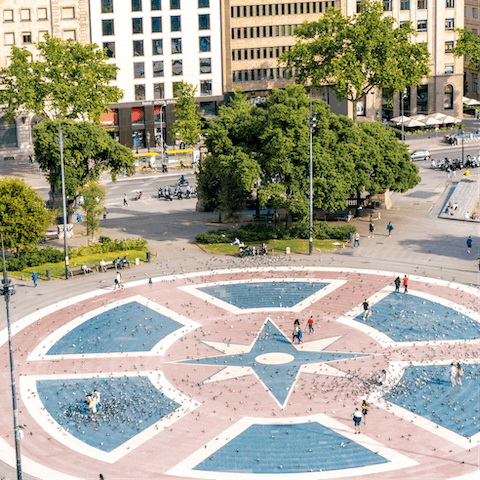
<point x="472" y="22"/>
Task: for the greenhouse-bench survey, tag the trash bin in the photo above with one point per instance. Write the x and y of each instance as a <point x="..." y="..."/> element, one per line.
<point x="49" y="274"/>
<point x="287" y="250"/>
<point x="149" y="254"/>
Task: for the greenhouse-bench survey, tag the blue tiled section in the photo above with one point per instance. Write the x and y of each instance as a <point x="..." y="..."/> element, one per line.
<point x="278" y="378"/>
<point x="408" y="318"/>
<point x="300" y="448"/>
<point x="264" y="294"/>
<point x="128" y="405"/>
<point x="428" y="392"/>
<point x="128" y="328"/>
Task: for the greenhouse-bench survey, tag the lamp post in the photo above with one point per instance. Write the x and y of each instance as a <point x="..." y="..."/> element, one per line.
<point x="7" y="290"/>
<point x="312" y="123"/>
<point x="64" y="202"/>
<point x="403" y="112"/>
<point x="463" y="147"/>
<point x="148" y="141"/>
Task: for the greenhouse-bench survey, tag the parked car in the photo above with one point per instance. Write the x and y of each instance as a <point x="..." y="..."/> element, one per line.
<point x="420" y="155"/>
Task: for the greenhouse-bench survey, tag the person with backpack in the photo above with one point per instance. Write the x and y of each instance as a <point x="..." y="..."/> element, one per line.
<point x="389" y="229"/>
<point x="397" y="285"/>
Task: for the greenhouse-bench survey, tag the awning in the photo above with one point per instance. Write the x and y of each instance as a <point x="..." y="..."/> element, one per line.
<point x="470" y="101"/>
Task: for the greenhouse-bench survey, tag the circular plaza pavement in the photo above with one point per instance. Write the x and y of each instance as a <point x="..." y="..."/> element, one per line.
<point x="198" y="378"/>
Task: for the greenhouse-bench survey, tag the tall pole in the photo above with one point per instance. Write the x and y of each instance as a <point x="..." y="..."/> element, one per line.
<point x="312" y="123"/>
<point x="463" y="147"/>
<point x="161" y="131"/>
<point x="6" y="291"/>
<point x="402" y="111"/>
<point x="64" y="202"/>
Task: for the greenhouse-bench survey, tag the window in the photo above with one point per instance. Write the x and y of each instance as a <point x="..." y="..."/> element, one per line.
<point x="449" y="24"/>
<point x="8" y="15"/>
<point x="449" y="3"/>
<point x="175" y="24"/>
<point x="176" y="45"/>
<point x="158" y="68"/>
<point x="155" y="4"/>
<point x="68" y="13"/>
<point x="449" y="46"/>
<point x="422" y="4"/>
<point x="204" y="44"/>
<point x="107" y="28"/>
<point x="448" y="69"/>
<point x="175" y="5"/>
<point x="205" y="87"/>
<point x="139" y="92"/>
<point x="475" y="12"/>
<point x="177" y="67"/>
<point x="204" y="22"/>
<point x="137" y="25"/>
<point x="138" y="48"/>
<point x="422" y="26"/>
<point x="387" y="5"/>
<point x="158" y="91"/>
<point x="136" y="5"/>
<point x="157" y="46"/>
<point x="475" y="82"/>
<point x="206" y="4"/>
<point x="404" y="4"/>
<point x="422" y="99"/>
<point x="109" y="48"/>
<point x="9" y="39"/>
<point x="139" y="70"/>
<point x="448" y="98"/>
<point x="107" y="6"/>
<point x="205" y="65"/>
<point x="69" y="35"/>
<point x="27" y="37"/>
<point x="42" y="14"/>
<point x="156" y="24"/>
<point x="176" y="88"/>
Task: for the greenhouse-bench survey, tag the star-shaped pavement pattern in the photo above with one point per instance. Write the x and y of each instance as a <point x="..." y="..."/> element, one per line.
<point x="274" y="359"/>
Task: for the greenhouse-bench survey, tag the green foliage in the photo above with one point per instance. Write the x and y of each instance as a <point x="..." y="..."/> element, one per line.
<point x="94" y="196"/>
<point x="358" y="53"/>
<point x="468" y="44"/>
<point x="262" y="233"/>
<point x="65" y="78"/>
<point x="117" y="245"/>
<point x="88" y="151"/>
<point x="23" y="216"/>
<point x="188" y="124"/>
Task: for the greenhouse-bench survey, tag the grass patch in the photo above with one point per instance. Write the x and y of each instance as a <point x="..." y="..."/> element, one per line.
<point x="58" y="269"/>
<point x="279" y="246"/>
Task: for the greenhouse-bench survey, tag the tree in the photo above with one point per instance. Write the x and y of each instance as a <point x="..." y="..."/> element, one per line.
<point x="188" y="124"/>
<point x="23" y="216"/>
<point x="468" y="44"/>
<point x="64" y="80"/>
<point x="88" y="151"/>
<point x="358" y="53"/>
<point x="94" y="196"/>
<point x="271" y="144"/>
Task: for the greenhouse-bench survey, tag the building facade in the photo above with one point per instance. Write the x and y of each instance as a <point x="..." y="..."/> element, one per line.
<point x="472" y="22"/>
<point x="156" y="44"/>
<point x="24" y="23"/>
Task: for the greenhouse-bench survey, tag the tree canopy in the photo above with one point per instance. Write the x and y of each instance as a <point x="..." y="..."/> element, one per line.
<point x="23" y="216"/>
<point x="88" y="151"/>
<point x="358" y="53"/>
<point x="269" y="145"/>
<point x="188" y="124"/>
<point x="94" y="196"/>
<point x="65" y="78"/>
<point x="468" y="44"/>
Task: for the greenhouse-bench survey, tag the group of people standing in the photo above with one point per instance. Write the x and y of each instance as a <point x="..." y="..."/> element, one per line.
<point x="297" y="330"/>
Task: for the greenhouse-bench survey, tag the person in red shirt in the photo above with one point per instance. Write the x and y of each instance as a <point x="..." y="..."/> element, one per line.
<point x="310" y="325"/>
<point x="405" y="283"/>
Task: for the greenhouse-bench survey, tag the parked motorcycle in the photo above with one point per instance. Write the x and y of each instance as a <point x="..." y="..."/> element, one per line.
<point x="168" y="194"/>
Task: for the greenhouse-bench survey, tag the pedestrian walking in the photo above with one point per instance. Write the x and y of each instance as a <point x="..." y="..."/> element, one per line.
<point x="469" y="244"/>
<point x="405" y="284"/>
<point x="448" y="171"/>
<point x="34" y="278"/>
<point x="357" y="419"/>
<point x="364" y="411"/>
<point x="105" y="212"/>
<point x="300" y="335"/>
<point x="389" y="229"/>
<point x="382" y="378"/>
<point x="79" y="218"/>
<point x="125" y="200"/>
<point x="460" y="374"/>
<point x="397" y="285"/>
<point x="372" y="228"/>
<point x="367" y="313"/>
<point x="453" y="373"/>
<point x="310" y="325"/>
<point x="118" y="282"/>
<point x="357" y="240"/>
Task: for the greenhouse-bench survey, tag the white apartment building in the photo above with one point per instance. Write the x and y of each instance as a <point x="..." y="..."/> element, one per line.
<point x="156" y="44"/>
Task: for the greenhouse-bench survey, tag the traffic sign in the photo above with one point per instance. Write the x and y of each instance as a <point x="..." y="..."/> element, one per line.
<point x="437" y="127"/>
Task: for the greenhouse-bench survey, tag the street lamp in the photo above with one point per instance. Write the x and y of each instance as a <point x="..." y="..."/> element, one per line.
<point x="7" y="290"/>
<point x="64" y="202"/>
<point x="403" y="112"/>
<point x="312" y="123"/>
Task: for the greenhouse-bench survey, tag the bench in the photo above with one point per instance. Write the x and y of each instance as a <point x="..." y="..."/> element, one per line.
<point x="90" y="268"/>
<point x="110" y="264"/>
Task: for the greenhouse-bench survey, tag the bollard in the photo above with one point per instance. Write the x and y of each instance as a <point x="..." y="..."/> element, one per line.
<point x="49" y="274"/>
<point x="149" y="254"/>
<point x="137" y="261"/>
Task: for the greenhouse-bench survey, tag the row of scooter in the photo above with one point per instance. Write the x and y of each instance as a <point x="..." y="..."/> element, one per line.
<point x="178" y="192"/>
<point x="457" y="163"/>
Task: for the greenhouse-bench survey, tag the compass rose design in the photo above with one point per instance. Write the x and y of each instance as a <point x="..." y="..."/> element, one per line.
<point x="274" y="359"/>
